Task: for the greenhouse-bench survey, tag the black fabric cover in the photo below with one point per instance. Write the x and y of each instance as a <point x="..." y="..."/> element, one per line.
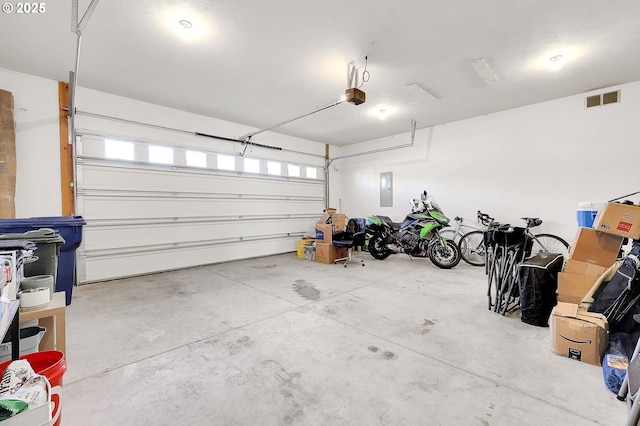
<point x="538" y="282"/>
<point x="618" y="298"/>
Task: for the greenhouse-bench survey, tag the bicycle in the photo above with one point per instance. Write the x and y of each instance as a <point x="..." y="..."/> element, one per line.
<point x="458" y="231"/>
<point x="470" y="237"/>
<point x="472" y="244"/>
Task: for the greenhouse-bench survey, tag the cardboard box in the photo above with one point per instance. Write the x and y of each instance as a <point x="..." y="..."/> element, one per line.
<point x="619" y="219"/>
<point x="595" y="247"/>
<point x="324" y="233"/>
<point x="327" y="253"/>
<point x="339" y="222"/>
<point x="578" y="334"/>
<point x="573" y="287"/>
<point x="577" y="279"/>
<point x="583" y="268"/>
<point x="325" y="218"/>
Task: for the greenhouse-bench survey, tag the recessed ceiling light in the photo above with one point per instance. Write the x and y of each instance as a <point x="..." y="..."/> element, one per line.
<point x="555" y="62"/>
<point x="185" y="24"/>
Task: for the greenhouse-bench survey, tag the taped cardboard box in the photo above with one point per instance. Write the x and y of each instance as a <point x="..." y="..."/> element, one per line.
<point x="619" y="219"/>
<point x="339" y="222"/>
<point x="327" y="253"/>
<point x="578" y="334"/>
<point x="573" y="287"/>
<point x="324" y="233"/>
<point x="577" y="279"/>
<point x="595" y="247"/>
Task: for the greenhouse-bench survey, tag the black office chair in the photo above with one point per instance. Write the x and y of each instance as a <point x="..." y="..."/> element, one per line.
<point x="353" y="237"/>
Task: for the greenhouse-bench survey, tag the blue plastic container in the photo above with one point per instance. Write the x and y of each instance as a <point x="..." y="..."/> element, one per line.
<point x="587" y="212"/>
<point x="69" y="228"/>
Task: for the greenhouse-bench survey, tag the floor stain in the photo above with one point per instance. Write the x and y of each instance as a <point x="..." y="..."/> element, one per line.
<point x="482" y="421"/>
<point x="306" y="290"/>
<point x="389" y="355"/>
<point x="428" y="322"/>
<point x="331" y="310"/>
<point x="373" y="348"/>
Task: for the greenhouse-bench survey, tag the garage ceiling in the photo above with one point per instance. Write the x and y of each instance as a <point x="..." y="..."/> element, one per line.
<point x="259" y="63"/>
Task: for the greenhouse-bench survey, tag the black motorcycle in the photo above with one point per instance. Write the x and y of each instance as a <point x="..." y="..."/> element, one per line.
<point x="417" y="235"/>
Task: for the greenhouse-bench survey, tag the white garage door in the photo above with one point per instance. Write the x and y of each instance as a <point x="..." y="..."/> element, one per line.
<point x="154" y="207"/>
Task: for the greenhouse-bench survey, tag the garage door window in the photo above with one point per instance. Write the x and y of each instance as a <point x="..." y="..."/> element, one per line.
<point x="293" y="170"/>
<point x="274" y="168"/>
<point x="226" y="162"/>
<point x="118" y="150"/>
<point x="195" y="158"/>
<point x="312" y="172"/>
<point x="251" y="165"/>
<point x="160" y="154"/>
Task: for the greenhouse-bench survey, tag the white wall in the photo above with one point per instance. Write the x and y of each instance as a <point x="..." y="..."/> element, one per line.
<point x="35" y="101"/>
<point x="540" y="160"/>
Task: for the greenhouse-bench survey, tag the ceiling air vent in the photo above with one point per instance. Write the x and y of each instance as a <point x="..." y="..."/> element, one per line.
<point x="611" y="97"/>
<point x="603" y="99"/>
<point x="593" y="101"/>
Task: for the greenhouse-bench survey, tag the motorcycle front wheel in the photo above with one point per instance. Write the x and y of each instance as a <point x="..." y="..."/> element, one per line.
<point x="444" y="256"/>
<point x="378" y="248"/>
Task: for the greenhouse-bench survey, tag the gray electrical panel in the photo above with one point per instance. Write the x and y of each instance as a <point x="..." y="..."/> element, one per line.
<point x="386" y="189"/>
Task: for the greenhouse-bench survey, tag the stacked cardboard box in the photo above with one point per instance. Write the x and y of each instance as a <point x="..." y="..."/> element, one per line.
<point x="327" y="253"/>
<point x="591" y="254"/>
<point x="619" y="219"/>
<point x="578" y="334"/>
<point x="328" y="224"/>
<point x="575" y="332"/>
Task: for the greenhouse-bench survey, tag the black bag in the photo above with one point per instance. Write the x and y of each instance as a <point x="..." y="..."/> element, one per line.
<point x="618" y="298"/>
<point x="538" y="282"/>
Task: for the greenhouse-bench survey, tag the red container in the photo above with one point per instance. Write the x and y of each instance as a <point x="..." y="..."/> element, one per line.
<point x="52" y="365"/>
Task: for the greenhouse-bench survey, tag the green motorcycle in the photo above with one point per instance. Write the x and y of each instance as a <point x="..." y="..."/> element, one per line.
<point x="417" y="235"/>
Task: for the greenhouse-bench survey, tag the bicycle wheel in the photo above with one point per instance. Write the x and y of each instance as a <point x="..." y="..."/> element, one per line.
<point x="472" y="248"/>
<point x="449" y="234"/>
<point x="547" y="243"/>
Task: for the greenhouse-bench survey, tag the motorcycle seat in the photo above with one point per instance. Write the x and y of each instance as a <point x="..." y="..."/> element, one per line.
<point x="388" y="221"/>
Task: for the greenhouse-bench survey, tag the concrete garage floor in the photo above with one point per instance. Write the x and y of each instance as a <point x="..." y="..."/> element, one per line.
<point x="284" y="341"/>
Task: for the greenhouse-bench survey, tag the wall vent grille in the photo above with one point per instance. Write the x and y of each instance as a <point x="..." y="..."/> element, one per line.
<point x="603" y="99"/>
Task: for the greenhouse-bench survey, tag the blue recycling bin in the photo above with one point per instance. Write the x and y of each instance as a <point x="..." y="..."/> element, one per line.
<point x="69" y="228"/>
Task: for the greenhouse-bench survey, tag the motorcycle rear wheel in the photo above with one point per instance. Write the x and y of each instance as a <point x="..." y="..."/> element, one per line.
<point x="378" y="248"/>
<point x="444" y="256"/>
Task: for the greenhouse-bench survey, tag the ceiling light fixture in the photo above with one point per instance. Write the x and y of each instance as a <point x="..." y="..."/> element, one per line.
<point x="482" y="68"/>
<point x="382" y="111"/>
<point x="421" y="92"/>
<point x="555" y="62"/>
<point x="185" y="24"/>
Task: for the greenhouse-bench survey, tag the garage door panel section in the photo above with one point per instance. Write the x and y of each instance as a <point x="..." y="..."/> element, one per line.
<point x="119" y="237"/>
<point x="147" y="207"/>
<point x="128" y="264"/>
<point x="143" y="217"/>
<point x="102" y="176"/>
